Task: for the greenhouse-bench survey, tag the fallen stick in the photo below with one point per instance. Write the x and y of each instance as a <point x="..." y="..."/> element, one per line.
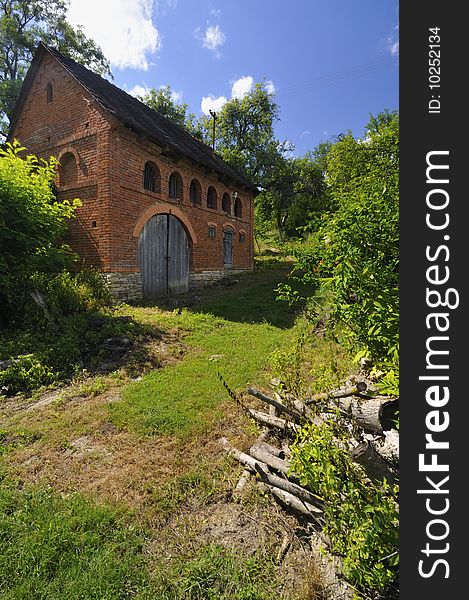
<point x="373" y="464"/>
<point x="288" y="500"/>
<point x="287" y="486"/>
<point x="281" y="408"/>
<point x="261" y="453"/>
<point x="357" y="389"/>
<point x="271" y="421"/>
<point x="243" y="481"/>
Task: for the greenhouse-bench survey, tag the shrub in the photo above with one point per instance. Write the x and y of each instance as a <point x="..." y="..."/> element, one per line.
<point x="32" y="221"/>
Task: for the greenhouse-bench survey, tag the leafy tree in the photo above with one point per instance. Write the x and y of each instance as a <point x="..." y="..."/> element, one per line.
<point x="32" y="221"/>
<point x="245" y="134"/>
<point x="163" y="102"/>
<point x="297" y="194"/>
<point x="355" y="252"/>
<point x="23" y="24"/>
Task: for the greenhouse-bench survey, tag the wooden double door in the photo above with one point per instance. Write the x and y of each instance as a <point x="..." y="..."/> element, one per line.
<point x="164" y="257"/>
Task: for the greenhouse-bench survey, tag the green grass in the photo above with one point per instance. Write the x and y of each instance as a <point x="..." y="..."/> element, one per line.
<point x="53" y="548"/>
<point x="233" y="332"/>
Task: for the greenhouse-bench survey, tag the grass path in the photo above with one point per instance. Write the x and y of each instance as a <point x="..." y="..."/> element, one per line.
<point x="92" y="511"/>
<point x="231" y="331"/>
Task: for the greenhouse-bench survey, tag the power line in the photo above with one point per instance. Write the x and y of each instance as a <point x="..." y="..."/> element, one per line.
<point x="337" y="77"/>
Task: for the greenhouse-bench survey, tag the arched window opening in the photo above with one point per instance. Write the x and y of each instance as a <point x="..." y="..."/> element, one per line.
<point x="226" y="203"/>
<point x="195" y="192"/>
<point x="49" y="93"/>
<point x="211" y="198"/>
<point x="151" y="177"/>
<point x="238" y="208"/>
<point x="175" y="186"/>
<point x="68" y="170"/>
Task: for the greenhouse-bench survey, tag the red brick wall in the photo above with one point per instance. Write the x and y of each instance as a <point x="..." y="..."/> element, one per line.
<point x="110" y="160"/>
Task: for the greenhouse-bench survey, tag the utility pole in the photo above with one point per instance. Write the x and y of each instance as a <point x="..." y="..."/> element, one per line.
<point x="213" y="114"/>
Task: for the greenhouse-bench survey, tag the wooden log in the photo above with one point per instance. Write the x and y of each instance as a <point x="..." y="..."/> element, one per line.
<point x="271" y="421"/>
<point x="280" y="453"/>
<point x="389" y="449"/>
<point x="343" y="393"/>
<point x="281" y="408"/>
<point x="243" y="481"/>
<point x="289" y="501"/>
<point x="373" y="464"/>
<point x="372" y="414"/>
<point x="287" y="486"/>
<point x="262" y="454"/>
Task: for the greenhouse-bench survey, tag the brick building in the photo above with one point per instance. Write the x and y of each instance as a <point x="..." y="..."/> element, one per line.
<point x="161" y="212"/>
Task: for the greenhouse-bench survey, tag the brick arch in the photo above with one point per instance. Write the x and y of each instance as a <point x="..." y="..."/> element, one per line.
<point x="162" y="209"/>
<point x="71" y="150"/>
<point x="229" y="226"/>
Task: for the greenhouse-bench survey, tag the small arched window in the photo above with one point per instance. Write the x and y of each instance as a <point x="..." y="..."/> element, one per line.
<point x="195" y="192"/>
<point x="175" y="186"/>
<point x="49" y="93"/>
<point x="151" y="177"/>
<point x="238" y="208"/>
<point x="211" y="198"/>
<point x="68" y="170"/>
<point x="226" y="203"/>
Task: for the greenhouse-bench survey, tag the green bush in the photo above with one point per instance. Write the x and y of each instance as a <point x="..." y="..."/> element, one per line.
<point x="24" y="374"/>
<point x="32" y="221"/>
<point x="354" y="255"/>
<point x="360" y="518"/>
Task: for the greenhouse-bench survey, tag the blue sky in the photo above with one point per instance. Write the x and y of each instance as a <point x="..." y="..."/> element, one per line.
<point x="330" y="62"/>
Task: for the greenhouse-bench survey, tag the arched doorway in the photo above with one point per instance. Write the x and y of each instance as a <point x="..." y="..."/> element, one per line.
<point x="163" y="248"/>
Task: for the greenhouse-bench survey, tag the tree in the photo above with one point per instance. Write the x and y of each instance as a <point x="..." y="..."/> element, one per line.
<point x="31" y="221"/>
<point x="25" y="23"/>
<point x="245" y="135"/>
<point x="355" y="252"/>
<point x="162" y="101"/>
<point x="297" y="195"/>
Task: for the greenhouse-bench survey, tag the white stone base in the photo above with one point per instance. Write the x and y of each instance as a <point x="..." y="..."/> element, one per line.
<point x="124" y="286"/>
<point x="128" y="286"/>
<point x="205" y="278"/>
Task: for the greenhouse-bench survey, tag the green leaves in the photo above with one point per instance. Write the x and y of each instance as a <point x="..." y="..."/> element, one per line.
<point x="361" y="518"/>
<point x="23" y="24"/>
<point x="31" y="220"/>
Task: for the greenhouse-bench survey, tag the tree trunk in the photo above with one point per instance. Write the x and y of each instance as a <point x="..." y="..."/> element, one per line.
<point x="287" y="486"/>
<point x="375" y="467"/>
<point x="373" y="414"/>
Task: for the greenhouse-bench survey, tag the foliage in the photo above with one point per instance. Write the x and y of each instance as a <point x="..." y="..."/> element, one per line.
<point x="360" y="518"/>
<point x="295" y="195"/>
<point x="32" y="221"/>
<point x="164" y="102"/>
<point x="23" y="24"/>
<point x="355" y="252"/>
<point x="24" y="373"/>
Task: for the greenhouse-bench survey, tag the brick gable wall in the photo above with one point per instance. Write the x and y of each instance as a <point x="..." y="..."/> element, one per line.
<point x="109" y="181"/>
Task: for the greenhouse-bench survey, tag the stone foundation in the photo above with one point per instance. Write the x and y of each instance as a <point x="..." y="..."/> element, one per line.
<point x="125" y="286"/>
<point x="128" y="286"/>
<point x="205" y="278"/>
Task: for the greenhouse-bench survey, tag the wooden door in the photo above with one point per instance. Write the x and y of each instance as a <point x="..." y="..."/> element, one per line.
<point x="228" y="248"/>
<point x="164" y="257"/>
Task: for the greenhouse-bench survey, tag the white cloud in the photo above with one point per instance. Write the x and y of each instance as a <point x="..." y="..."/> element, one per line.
<point x="123" y="28"/>
<point x="216" y="12"/>
<point x="303" y="133"/>
<point x="242" y="86"/>
<point x="270" y="87"/>
<point x="212" y="39"/>
<point x="211" y="103"/>
<point x="141" y="90"/>
<point x="138" y="90"/>
<point x="392" y="42"/>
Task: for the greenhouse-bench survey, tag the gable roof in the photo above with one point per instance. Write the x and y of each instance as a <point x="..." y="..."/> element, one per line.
<point x="137" y="116"/>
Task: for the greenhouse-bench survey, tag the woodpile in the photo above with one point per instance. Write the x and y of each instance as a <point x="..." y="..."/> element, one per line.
<point x="373" y="442"/>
